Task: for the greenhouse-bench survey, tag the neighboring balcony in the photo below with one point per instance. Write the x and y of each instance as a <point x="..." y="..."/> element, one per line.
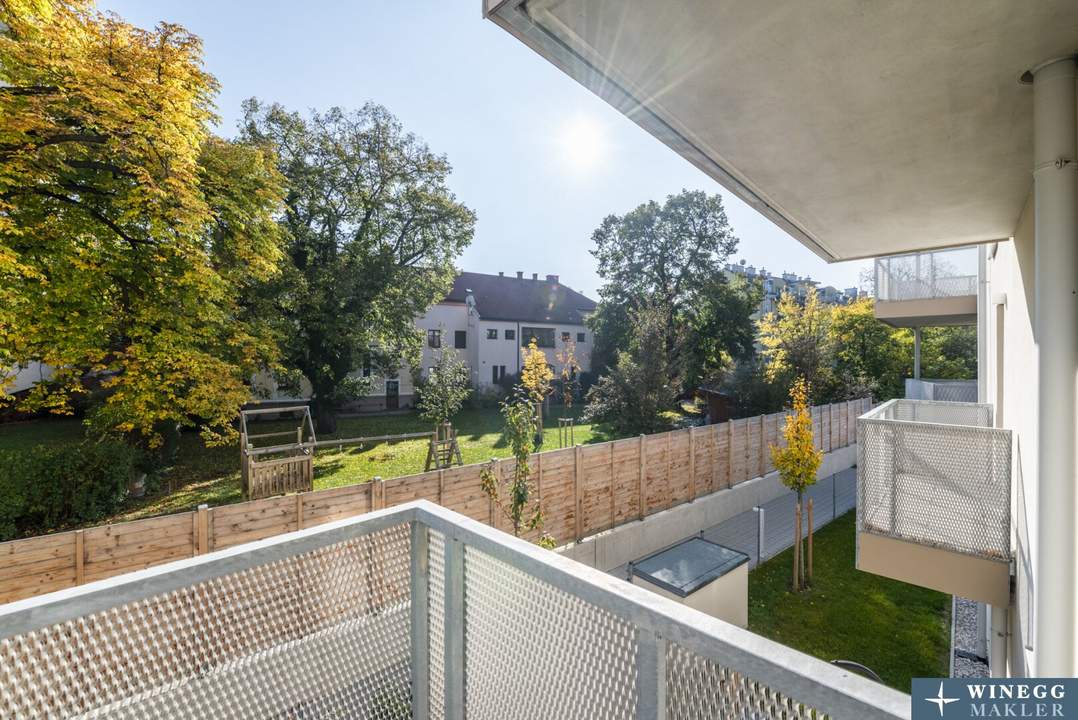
<point x="927" y="288"/>
<point x="933" y="498"/>
<point x="945" y="390"/>
<point x="413" y="612"/>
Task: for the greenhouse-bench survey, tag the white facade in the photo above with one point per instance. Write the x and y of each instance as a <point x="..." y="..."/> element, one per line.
<point x="493" y="347"/>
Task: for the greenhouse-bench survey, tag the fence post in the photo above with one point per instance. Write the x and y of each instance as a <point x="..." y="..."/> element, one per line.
<point x="851" y="423"/>
<point x="420" y="592"/>
<point x="763" y="446"/>
<point x="613" y="488"/>
<point x="378" y="493"/>
<point x="715" y="459"/>
<point x="651" y="676"/>
<point x="834" y="496"/>
<point x="729" y="453"/>
<point x="577" y="461"/>
<point x="80" y="557"/>
<point x="455" y="670"/>
<point x="692" y="463"/>
<point x="669" y="467"/>
<point x="642" y="479"/>
<point x="760" y="533"/>
<point x="203" y="524"/>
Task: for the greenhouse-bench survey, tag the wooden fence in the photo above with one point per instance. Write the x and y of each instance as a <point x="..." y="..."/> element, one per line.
<point x="582" y="490"/>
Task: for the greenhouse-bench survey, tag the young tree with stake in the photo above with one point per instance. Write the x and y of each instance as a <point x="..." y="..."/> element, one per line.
<point x="513" y="496"/>
<point x="797" y="464"/>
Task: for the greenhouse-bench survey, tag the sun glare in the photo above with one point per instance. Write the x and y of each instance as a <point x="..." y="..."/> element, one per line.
<point x="582" y="143"/>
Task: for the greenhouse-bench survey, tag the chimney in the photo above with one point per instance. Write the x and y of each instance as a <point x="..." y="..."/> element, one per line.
<point x="552" y="279"/>
<point x="535" y="276"/>
<point x="520" y="275"/>
<point x="501" y="274"/>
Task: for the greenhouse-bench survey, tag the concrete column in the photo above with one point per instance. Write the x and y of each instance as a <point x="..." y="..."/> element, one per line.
<point x="917" y="354"/>
<point x="1055" y="184"/>
<point x="998" y="637"/>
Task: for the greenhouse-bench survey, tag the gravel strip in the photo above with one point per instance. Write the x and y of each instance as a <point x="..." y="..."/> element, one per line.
<point x="965" y="638"/>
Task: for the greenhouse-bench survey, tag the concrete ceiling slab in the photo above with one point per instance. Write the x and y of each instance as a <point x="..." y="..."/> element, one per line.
<point x="862" y="128"/>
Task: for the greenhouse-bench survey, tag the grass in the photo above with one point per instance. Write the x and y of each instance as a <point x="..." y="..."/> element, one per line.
<point x="211" y="474"/>
<point x="900" y="631"/>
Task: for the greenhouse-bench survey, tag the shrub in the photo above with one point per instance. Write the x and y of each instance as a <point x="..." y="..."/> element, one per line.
<point x="46" y="488"/>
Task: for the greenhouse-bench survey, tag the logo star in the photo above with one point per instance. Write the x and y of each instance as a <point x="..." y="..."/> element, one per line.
<point x="940" y="701"/>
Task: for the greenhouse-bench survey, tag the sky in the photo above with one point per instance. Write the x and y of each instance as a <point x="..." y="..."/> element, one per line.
<point x="538" y="158"/>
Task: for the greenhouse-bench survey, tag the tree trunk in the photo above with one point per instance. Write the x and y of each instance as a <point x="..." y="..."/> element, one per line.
<point x="170" y="432"/>
<point x="797" y="549"/>
<point x="325" y="416"/>
<point x="538" y="440"/>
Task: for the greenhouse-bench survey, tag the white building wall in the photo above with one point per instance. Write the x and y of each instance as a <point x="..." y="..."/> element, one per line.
<point x="501" y="352"/>
<point x="1011" y="386"/>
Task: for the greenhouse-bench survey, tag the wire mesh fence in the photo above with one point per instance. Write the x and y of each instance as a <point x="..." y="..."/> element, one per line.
<point x="768" y="529"/>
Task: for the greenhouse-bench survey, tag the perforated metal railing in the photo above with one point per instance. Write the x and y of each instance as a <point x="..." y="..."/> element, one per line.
<point x="412" y="612"/>
<point x="927" y="275"/>
<point x="936" y="473"/>
<point x="945" y="390"/>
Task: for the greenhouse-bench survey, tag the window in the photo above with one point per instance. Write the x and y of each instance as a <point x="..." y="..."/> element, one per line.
<point x="565" y="337"/>
<point x="580" y="337"/>
<point x="492" y="334"/>
<point x="544" y="337"/>
<point x="434" y="338"/>
<point x="366" y="367"/>
<point x="510" y="334"/>
<point x="497" y="373"/>
<point x="460" y="339"/>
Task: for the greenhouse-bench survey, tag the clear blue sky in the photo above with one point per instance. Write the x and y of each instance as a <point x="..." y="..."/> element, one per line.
<point x="539" y="158"/>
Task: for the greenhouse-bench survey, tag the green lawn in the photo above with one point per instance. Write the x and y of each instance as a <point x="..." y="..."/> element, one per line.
<point x="211" y="475"/>
<point x="901" y="631"/>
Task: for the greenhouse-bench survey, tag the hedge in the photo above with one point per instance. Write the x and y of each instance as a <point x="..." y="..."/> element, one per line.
<point x="47" y="488"/>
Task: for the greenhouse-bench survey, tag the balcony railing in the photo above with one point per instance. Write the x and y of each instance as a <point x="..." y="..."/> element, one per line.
<point x="414" y="612"/>
<point x="944" y="390"/>
<point x="927" y="275"/>
<point x="936" y="474"/>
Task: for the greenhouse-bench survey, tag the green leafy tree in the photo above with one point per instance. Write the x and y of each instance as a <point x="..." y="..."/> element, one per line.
<point x="444" y="390"/>
<point x="371" y="230"/>
<point x="867" y="352"/>
<point x="797" y="463"/>
<point x="671" y="257"/>
<point x="948" y="353"/>
<point x="635" y="393"/>
<point x="128" y="234"/>
<point x="513" y="495"/>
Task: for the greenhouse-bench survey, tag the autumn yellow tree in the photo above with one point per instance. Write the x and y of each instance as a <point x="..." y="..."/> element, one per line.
<point x="535" y="377"/>
<point x="128" y="233"/>
<point x="797" y="464"/>
<point x="796" y="340"/>
<point x="570" y="368"/>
